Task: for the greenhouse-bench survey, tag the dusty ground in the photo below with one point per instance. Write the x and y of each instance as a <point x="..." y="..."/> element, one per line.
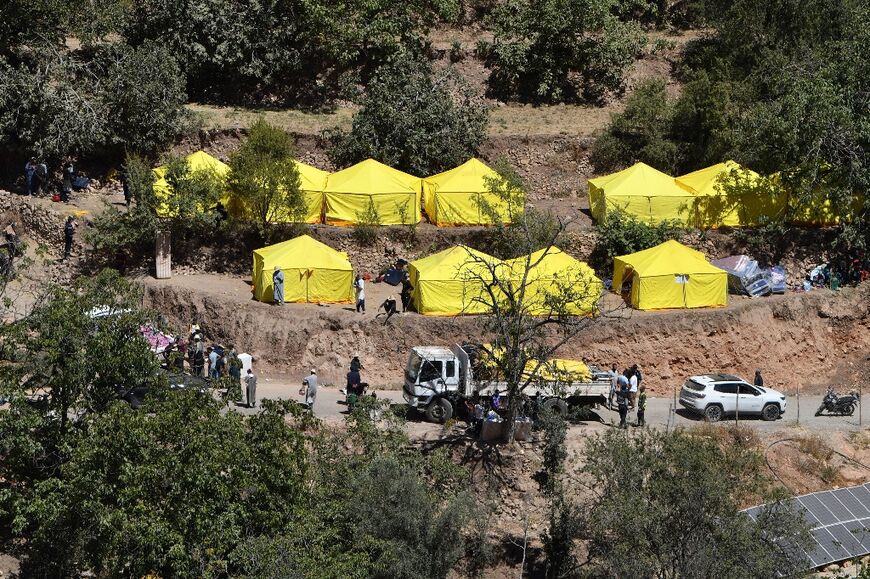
<point x="799" y="340"/>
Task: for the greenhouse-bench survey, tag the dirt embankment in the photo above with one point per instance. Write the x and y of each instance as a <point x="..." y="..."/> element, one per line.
<point x="798" y="340"/>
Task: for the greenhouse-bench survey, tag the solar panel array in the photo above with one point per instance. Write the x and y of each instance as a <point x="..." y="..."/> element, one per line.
<point x="840" y="523"/>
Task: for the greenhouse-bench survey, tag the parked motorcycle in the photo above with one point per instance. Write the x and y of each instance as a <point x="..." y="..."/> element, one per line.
<point x="838" y="405"/>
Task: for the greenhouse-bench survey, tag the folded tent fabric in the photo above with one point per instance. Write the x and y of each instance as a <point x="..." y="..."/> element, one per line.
<point x="641" y="191"/>
<point x="719" y="201"/>
<point x="452" y="281"/>
<point x="348" y="194"/>
<point x="458" y="196"/>
<point x="313" y="272"/>
<point x="550" y="270"/>
<point x="200" y="161"/>
<point x="670" y="275"/>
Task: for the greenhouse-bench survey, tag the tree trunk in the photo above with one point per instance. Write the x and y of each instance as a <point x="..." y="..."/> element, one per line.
<point x="513" y="409"/>
<point x="163" y="255"/>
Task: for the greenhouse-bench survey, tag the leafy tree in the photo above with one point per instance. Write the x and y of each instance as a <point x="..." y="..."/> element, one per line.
<point x="264" y="179"/>
<point x="559" y="50"/>
<point x="409" y="120"/>
<point x="644" y="517"/>
<point x="528" y="319"/>
<point x="621" y="234"/>
<point x="170" y="491"/>
<point x="144" y="96"/>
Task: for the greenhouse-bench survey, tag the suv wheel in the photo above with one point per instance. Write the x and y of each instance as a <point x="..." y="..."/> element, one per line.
<point x="770" y="412"/>
<point x="713" y="413"/>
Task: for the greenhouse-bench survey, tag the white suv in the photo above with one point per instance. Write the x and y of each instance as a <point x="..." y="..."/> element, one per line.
<point x="715" y="395"/>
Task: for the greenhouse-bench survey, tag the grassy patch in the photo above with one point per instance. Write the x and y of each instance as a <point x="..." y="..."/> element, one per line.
<point x="215" y="117"/>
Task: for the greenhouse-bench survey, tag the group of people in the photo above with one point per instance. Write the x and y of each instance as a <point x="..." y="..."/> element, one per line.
<point x="213" y="362"/>
<point x="37" y="179"/>
<point x="627" y="392"/>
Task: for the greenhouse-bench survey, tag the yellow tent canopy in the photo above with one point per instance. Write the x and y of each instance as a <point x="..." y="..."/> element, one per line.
<point x="455" y="197"/>
<point x="640" y="191"/>
<point x="552" y="270"/>
<point x="451" y="282"/>
<point x="312" y="182"/>
<point x="313" y="272"/>
<point x="561" y="370"/>
<point x="199" y="161"/>
<point x="719" y="201"/>
<point x="670" y="275"/>
<point x="349" y="193"/>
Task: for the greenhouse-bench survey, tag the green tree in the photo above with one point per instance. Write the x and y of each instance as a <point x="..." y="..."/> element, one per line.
<point x="621" y="234"/>
<point x="264" y="179"/>
<point x="559" y="50"/>
<point x="643" y="516"/>
<point x="170" y="491"/>
<point x="410" y="120"/>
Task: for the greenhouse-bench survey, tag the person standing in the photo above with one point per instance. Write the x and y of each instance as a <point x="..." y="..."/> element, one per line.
<point x="181" y="347"/>
<point x="759" y="380"/>
<point x="125" y="185"/>
<point x="30" y="176"/>
<point x="41" y="177"/>
<point x="614" y="376"/>
<point x="632" y="389"/>
<point x="197" y="356"/>
<point x="622" y="405"/>
<point x="67" y="182"/>
<point x="212" y="364"/>
<point x="235" y="366"/>
<point x="360" y="286"/>
<point x="278" y="286"/>
<point x="251" y="389"/>
<point x="406" y="291"/>
<point x="69" y="230"/>
<point x="641" y="406"/>
<point x="309" y="389"/>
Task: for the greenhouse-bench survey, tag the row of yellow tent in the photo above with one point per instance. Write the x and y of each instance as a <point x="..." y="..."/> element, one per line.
<point x="454" y="197"/>
<point x="450" y="282"/>
<point x="707" y="198"/>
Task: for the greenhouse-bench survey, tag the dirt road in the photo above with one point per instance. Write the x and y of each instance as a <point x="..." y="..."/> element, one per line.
<point x="331" y="408"/>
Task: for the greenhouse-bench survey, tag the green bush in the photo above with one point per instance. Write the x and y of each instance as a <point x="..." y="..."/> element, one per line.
<point x="410" y="120"/>
<point x="365" y="229"/>
<point x="621" y="234"/>
<point x="559" y="50"/>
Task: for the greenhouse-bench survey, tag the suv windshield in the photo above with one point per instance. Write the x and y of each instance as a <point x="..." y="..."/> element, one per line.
<point x="413" y="367"/>
<point x="696" y="386"/>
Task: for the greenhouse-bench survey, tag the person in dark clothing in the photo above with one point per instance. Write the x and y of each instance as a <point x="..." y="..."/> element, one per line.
<point x="41" y="177"/>
<point x="622" y="405"/>
<point x="125" y="184"/>
<point x="389" y="307"/>
<point x="68" y="231"/>
<point x="406" y="292"/>
<point x="759" y="380"/>
<point x="67" y="184"/>
<point x="355" y="364"/>
<point x="641" y="407"/>
<point x="30" y="177"/>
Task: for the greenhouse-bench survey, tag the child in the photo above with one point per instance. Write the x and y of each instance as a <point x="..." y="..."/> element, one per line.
<point x="641" y="406"/>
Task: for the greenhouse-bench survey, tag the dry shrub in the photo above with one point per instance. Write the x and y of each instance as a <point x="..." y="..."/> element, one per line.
<point x="817" y="448"/>
<point x="728" y="435"/>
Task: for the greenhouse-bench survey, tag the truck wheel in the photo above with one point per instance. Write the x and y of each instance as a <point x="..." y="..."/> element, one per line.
<point x="439" y="410"/>
<point x="713" y="413"/>
<point x="555" y="406"/>
<point x="770" y="412"/>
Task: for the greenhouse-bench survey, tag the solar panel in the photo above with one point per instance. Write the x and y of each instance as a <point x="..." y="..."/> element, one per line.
<point x="839" y="521"/>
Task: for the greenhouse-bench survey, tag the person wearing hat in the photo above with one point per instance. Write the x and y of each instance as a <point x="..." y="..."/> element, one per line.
<point x="309" y="389"/>
<point x="251" y="388"/>
<point x="389" y="307"/>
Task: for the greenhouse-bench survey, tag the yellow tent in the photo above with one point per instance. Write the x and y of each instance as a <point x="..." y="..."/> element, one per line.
<point x="312" y="182"/>
<point x="718" y="202"/>
<point x="455" y="197"/>
<point x="561" y="370"/>
<point x="452" y="281"/>
<point x="641" y="191"/>
<point x="551" y="271"/>
<point x="199" y="161"/>
<point x="349" y="193"/>
<point x="313" y="272"/>
<point x="670" y="275"/>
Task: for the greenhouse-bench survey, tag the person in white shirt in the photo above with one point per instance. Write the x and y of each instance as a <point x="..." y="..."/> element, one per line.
<point x="632" y="389"/>
<point x="360" y="287"/>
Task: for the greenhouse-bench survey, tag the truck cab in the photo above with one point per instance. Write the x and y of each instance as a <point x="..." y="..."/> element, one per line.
<point x="434" y="376"/>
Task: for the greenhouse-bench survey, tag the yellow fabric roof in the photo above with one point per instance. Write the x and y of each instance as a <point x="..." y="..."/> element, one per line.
<point x="311" y="178"/>
<point x="451" y="282"/>
<point x="312" y="181"/>
<point x="349" y="192"/>
<point x="709" y="180"/>
<point x="550" y="270"/>
<point x="196" y="162"/>
<point x="454" y="197"/>
<point x="670" y="275"/>
<point x="313" y="271"/>
<point x="641" y="191"/>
